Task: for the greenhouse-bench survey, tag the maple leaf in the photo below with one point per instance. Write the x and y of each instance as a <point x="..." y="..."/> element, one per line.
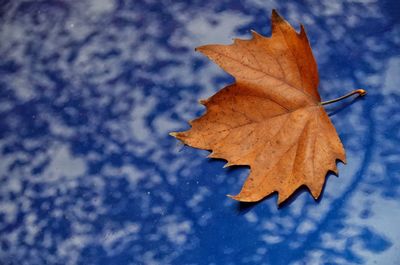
<point x="271" y="118"/>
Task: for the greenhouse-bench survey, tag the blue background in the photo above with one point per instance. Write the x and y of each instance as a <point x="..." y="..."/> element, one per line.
<point x="89" y="91"/>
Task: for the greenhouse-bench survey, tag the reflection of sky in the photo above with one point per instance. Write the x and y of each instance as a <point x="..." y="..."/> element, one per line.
<point x="89" y="91"/>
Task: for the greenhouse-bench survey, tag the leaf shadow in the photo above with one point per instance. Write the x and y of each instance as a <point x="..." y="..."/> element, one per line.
<point x="244" y="207"/>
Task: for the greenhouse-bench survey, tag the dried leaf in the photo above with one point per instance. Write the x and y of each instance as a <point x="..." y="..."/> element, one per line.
<point x="271" y="118"/>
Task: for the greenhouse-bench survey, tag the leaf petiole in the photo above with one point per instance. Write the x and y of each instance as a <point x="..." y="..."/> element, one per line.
<point x="360" y="92"/>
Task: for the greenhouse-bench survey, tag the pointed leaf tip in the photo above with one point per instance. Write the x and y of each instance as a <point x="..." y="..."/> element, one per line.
<point x="281" y="199"/>
<point x="234" y="197"/>
<point x="255" y="34"/>
<point x="275" y="16"/>
<point x="173" y="134"/>
<point x="302" y="31"/>
<point x="200" y="48"/>
<point x="228" y="165"/>
<point x="203" y="101"/>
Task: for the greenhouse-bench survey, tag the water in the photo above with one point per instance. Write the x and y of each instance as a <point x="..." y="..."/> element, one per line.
<point x="89" y="91"/>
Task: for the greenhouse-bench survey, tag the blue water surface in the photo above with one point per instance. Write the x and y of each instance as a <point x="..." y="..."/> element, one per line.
<point x="89" y="91"/>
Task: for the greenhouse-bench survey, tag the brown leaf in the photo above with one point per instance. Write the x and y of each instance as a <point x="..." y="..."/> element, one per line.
<point x="270" y="119"/>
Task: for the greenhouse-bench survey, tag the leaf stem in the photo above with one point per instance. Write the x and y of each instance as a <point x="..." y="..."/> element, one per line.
<point x="360" y="92"/>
